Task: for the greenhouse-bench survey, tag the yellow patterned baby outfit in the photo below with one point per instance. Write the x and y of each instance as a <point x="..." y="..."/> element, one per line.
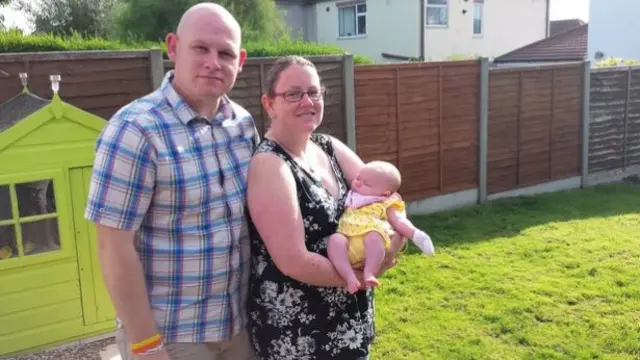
<point x="356" y="222"/>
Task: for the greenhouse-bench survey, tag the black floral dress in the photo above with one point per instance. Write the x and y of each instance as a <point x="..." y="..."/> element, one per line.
<point x="290" y="320"/>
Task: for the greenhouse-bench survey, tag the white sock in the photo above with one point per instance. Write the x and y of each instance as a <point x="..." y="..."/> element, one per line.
<point x="423" y="242"/>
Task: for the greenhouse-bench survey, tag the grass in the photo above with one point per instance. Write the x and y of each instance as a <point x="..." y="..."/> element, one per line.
<point x="555" y="276"/>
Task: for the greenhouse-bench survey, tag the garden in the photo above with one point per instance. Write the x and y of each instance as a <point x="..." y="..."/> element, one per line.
<point x="554" y="276"/>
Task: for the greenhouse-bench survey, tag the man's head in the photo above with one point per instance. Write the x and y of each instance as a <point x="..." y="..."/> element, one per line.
<point x="206" y="52"/>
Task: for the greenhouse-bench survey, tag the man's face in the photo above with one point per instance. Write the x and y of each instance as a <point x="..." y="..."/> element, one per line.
<point x="207" y="57"/>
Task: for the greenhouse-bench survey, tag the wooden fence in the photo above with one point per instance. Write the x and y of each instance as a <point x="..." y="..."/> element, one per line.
<point x="534" y="125"/>
<point x="424" y="118"/>
<point x="250" y="83"/>
<point x="615" y="119"/>
<point x="99" y="82"/>
<point x="448" y="126"/>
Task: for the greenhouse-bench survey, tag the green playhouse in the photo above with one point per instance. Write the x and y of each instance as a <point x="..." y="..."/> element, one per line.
<point x="51" y="288"/>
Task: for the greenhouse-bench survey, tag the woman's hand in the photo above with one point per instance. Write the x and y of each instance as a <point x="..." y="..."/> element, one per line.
<point x="390" y="260"/>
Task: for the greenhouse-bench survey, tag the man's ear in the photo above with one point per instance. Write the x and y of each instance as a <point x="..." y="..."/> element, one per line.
<point x="172" y="43"/>
<point x="242" y="59"/>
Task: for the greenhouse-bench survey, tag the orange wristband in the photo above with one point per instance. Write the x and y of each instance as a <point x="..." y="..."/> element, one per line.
<point x="146" y="345"/>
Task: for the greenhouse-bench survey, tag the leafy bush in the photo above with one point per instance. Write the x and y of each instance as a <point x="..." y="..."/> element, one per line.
<point x="613" y="62"/>
<point x="16" y="42"/>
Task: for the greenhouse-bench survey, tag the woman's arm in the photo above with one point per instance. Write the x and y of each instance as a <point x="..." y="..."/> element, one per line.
<point x="273" y="204"/>
<point x="349" y="161"/>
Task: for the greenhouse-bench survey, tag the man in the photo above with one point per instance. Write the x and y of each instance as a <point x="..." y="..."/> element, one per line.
<point x="167" y="196"/>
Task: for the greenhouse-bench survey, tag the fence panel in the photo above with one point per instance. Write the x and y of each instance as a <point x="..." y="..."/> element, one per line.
<point x="615" y="119"/>
<point x="424" y="118"/>
<point x="250" y="81"/>
<point x="99" y="82"/>
<point x="534" y="125"/>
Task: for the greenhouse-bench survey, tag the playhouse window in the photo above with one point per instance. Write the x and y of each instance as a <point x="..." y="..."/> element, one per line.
<point x="28" y="219"/>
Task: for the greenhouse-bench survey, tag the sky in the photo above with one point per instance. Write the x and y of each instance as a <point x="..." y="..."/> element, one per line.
<point x="560" y="9"/>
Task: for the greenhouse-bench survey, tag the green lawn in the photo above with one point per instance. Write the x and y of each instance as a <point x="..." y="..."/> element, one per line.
<point x="555" y="276"/>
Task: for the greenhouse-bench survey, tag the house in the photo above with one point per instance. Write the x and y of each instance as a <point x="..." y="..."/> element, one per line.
<point x="614" y="29"/>
<point x="566" y="46"/>
<point x="560" y="26"/>
<point x="388" y="30"/>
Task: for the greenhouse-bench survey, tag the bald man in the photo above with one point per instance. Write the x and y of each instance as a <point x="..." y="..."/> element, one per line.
<point x="167" y="197"/>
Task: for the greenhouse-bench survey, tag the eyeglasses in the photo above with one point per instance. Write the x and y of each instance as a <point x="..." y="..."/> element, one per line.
<point x="297" y="95"/>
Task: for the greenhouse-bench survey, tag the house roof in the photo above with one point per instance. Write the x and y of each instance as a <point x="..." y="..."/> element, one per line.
<point x="560" y="26"/>
<point x="19" y="107"/>
<point x="570" y="45"/>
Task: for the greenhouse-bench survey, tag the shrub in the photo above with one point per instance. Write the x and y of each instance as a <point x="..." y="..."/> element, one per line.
<point x="613" y="62"/>
<point x="16" y="42"/>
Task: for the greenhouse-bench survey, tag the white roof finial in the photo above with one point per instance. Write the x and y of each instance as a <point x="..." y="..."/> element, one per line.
<point x="55" y="83"/>
<point x="23" y="79"/>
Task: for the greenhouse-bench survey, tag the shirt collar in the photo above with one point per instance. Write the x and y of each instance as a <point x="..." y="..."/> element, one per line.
<point x="184" y="111"/>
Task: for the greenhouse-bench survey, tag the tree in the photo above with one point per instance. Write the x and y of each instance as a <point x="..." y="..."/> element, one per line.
<point x="64" y="17"/>
<point x="152" y="19"/>
<point x="3" y="3"/>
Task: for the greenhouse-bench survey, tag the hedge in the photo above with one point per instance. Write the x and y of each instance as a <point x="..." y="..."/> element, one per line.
<point x="16" y="42"/>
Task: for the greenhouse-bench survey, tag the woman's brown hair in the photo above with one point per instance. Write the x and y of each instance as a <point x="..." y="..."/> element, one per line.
<point x="278" y="67"/>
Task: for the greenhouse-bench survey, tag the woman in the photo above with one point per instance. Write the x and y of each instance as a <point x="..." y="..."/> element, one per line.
<point x="297" y="183"/>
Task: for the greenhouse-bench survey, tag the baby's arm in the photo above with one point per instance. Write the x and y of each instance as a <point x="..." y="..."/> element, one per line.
<point x="405" y="227"/>
<point x="400" y="222"/>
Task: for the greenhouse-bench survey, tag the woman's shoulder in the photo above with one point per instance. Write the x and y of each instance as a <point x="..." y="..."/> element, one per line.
<point x="266" y="145"/>
<point x="324" y="141"/>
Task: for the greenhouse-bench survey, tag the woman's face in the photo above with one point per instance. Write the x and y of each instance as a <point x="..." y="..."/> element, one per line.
<point x="299" y="101"/>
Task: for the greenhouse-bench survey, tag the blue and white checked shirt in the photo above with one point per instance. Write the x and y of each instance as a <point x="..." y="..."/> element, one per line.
<point x="180" y="181"/>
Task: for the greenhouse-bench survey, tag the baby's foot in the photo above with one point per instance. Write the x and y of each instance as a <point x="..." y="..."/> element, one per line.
<point x="353" y="286"/>
<point x="371" y="281"/>
<point x="423" y="241"/>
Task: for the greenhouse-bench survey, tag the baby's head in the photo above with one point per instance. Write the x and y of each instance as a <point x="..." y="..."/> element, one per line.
<point x="377" y="178"/>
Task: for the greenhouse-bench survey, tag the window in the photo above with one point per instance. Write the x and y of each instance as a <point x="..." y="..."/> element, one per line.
<point x="28" y="219"/>
<point x="478" y="14"/>
<point x="352" y="20"/>
<point x="437" y="13"/>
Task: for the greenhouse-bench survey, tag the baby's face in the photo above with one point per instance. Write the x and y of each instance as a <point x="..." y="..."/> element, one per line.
<point x="370" y="182"/>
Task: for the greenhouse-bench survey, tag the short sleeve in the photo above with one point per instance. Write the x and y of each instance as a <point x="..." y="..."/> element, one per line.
<point x="123" y="177"/>
<point x="397" y="204"/>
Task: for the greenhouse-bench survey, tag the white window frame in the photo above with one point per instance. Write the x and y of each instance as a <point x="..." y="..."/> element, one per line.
<point x="359" y="14"/>
<point x="441" y="7"/>
<point x="478" y="7"/>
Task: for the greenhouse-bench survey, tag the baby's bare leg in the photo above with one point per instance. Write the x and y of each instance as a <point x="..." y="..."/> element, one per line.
<point x="375" y="252"/>
<point x="338" y="252"/>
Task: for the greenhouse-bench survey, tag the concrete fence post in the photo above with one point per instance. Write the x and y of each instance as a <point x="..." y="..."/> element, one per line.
<point x="586" y="112"/>
<point x="483" y="149"/>
<point x="349" y="100"/>
<point x="156" y="68"/>
<point x="627" y="110"/>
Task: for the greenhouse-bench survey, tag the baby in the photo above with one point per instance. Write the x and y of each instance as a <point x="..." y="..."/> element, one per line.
<point x="371" y="213"/>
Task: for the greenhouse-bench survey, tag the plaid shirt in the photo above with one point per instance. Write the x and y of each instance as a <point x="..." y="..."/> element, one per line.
<point x="180" y="181"/>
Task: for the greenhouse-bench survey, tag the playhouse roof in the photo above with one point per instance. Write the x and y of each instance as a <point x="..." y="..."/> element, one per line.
<point x="20" y="107"/>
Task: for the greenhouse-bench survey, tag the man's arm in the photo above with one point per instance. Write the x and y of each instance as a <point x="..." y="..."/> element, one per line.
<point x="124" y="279"/>
<point x="120" y="192"/>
